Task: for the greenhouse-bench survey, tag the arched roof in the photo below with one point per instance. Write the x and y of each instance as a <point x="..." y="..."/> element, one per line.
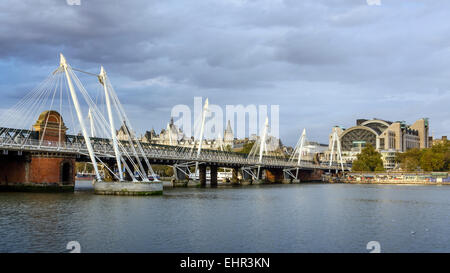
<point x="357" y="133"/>
<point x="377" y="124"/>
<point x="376" y="121"/>
<point x="359" y="127"/>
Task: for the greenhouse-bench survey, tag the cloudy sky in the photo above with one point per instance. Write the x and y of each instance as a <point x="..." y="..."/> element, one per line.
<point x="325" y="62"/>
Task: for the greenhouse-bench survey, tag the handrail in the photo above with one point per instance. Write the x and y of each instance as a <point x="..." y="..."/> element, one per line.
<point x="157" y="152"/>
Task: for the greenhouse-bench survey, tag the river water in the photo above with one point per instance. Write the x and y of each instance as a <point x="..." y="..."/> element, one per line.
<point x="275" y="218"/>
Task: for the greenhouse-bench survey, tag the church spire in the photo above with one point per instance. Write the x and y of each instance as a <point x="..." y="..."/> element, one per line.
<point x="229" y="127"/>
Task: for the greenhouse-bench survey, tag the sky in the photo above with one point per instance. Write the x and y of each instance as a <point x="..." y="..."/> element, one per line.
<point x="324" y="62"/>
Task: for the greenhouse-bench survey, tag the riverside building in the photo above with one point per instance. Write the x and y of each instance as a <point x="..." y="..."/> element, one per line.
<point x="387" y="137"/>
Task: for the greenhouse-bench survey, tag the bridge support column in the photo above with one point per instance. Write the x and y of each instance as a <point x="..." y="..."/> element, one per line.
<point x="287" y="179"/>
<point x="310" y="175"/>
<point x="261" y="176"/>
<point x="37" y="172"/>
<point x="234" y="175"/>
<point x="246" y="176"/>
<point x="202" y="174"/>
<point x="274" y="175"/>
<point x="213" y="173"/>
<point x="181" y="177"/>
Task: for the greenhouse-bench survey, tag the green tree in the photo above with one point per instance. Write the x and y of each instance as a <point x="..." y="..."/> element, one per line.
<point x="432" y="161"/>
<point x="168" y="171"/>
<point x="247" y="147"/>
<point x="368" y="160"/>
<point x="228" y="148"/>
<point x="436" y="158"/>
<point x="410" y="160"/>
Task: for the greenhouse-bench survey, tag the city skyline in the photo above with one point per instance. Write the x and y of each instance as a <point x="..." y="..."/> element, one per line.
<point x="325" y="63"/>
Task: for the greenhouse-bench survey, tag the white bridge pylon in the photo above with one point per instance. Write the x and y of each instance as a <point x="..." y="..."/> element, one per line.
<point x="127" y="156"/>
<point x="336" y="142"/>
<point x="297" y="155"/>
<point x="66" y="67"/>
<point x="259" y="149"/>
<point x="198" y="138"/>
<point x="62" y="94"/>
<point x="102" y="79"/>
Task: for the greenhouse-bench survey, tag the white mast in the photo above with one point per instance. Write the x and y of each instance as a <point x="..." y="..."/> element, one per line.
<point x="170" y="133"/>
<point x="91" y="121"/>
<point x="64" y="65"/>
<point x="202" y="128"/>
<point x="302" y="143"/>
<point x="102" y="79"/>
<point x="263" y="140"/>
<point x="220" y="142"/>
<point x="334" y="140"/>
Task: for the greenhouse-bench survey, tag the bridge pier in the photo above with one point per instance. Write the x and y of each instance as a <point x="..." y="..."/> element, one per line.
<point x="288" y="178"/>
<point x="181" y="177"/>
<point x="202" y="174"/>
<point x="261" y="177"/>
<point x="213" y="174"/>
<point x="40" y="172"/>
<point x="310" y="175"/>
<point x="234" y="175"/>
<point x="274" y="175"/>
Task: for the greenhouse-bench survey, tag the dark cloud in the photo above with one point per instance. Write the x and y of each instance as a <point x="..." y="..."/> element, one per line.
<point x="325" y="62"/>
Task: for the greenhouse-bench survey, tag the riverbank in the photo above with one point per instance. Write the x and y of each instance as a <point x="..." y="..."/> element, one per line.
<point x="396" y="182"/>
<point x="419" y="178"/>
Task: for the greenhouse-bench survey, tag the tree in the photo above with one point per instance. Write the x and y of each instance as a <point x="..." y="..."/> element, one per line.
<point x="368" y="160"/>
<point x="436" y="158"/>
<point x="228" y="148"/>
<point x="410" y="160"/>
<point x="247" y="147"/>
<point x="431" y="161"/>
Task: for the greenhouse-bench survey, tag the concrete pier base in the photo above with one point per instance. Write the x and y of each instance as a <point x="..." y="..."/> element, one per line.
<point x="286" y="181"/>
<point x="128" y="188"/>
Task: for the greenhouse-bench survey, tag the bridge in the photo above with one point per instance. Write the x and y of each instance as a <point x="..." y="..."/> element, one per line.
<point x="47" y="153"/>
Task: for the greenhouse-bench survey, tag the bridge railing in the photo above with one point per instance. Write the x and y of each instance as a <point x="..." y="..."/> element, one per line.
<point x="104" y="148"/>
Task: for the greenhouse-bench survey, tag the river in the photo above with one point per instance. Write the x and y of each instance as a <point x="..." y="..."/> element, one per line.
<point x="268" y="218"/>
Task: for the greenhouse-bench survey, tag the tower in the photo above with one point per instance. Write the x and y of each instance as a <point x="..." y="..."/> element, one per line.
<point x="228" y="136"/>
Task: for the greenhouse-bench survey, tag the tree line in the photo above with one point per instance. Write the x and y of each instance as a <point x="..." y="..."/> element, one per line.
<point x="436" y="158"/>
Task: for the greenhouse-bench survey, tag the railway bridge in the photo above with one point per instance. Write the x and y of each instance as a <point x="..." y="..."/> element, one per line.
<point x="46" y="154"/>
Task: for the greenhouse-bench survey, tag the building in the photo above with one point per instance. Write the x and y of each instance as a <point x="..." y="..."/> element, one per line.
<point x="174" y="136"/>
<point x="438" y="141"/>
<point x="387" y="137"/>
<point x="123" y="132"/>
<point x="228" y="136"/>
<point x="40" y="170"/>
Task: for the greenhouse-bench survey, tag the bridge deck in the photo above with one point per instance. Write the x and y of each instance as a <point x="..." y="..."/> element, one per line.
<point x="24" y="141"/>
